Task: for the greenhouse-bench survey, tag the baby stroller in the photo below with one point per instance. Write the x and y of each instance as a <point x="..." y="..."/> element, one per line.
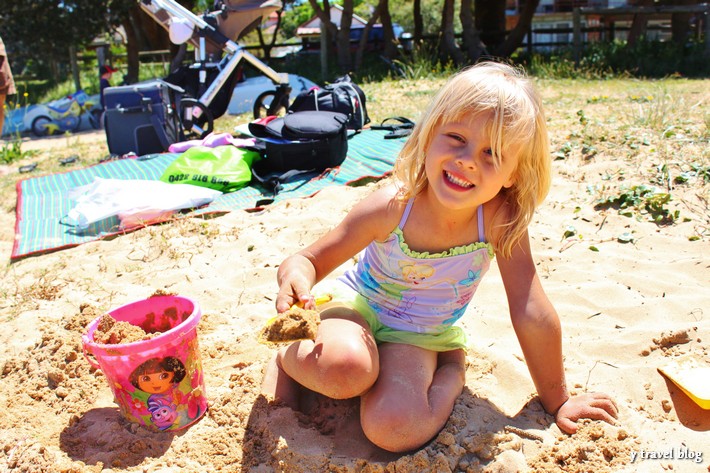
<point x="209" y="82"/>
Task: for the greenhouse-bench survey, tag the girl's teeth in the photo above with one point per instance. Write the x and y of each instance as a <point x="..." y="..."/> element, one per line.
<point x="457" y="181"/>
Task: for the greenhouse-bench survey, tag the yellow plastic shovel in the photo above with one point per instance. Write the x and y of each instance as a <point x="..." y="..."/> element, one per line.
<point x="692" y="376"/>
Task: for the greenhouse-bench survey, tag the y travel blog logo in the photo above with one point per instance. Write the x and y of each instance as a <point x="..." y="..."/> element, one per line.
<point x="678" y="453"/>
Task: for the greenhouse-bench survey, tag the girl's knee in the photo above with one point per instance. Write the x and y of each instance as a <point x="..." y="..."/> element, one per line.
<point x="347" y="370"/>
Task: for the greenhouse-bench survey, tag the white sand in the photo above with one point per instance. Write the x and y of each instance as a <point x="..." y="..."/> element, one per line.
<point x="618" y="306"/>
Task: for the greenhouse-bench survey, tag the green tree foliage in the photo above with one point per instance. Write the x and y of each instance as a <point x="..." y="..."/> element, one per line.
<point x="45" y="30"/>
<point x="402" y="14"/>
<point x="294" y="16"/>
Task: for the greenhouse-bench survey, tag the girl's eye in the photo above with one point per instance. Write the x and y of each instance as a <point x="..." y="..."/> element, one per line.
<point x="163" y="375"/>
<point x="145" y="378"/>
<point x="456" y="137"/>
<point x="489" y="155"/>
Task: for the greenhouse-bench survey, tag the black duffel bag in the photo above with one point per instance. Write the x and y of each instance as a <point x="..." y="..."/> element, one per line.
<point x="342" y="96"/>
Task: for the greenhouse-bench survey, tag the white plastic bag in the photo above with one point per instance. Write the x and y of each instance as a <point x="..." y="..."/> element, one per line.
<point x="134" y="202"/>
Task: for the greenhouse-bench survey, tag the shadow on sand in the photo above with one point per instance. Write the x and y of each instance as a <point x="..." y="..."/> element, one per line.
<point x="330" y="434"/>
<point x="102" y="435"/>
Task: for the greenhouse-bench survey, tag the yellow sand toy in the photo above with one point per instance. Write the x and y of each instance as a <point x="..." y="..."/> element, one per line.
<point x="316" y="300"/>
<point x="692" y="376"/>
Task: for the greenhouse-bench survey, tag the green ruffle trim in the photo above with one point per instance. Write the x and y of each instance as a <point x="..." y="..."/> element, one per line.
<point x="457" y="250"/>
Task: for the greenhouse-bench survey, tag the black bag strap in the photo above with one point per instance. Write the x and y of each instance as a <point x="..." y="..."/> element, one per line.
<point x="273" y="182"/>
<point x="160" y="131"/>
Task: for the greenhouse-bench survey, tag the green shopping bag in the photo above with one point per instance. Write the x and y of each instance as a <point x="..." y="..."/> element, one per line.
<point x="224" y="168"/>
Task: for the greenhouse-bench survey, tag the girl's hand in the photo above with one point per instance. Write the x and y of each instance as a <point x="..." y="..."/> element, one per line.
<point x="294" y="293"/>
<point x="597" y="406"/>
<point x="296" y="276"/>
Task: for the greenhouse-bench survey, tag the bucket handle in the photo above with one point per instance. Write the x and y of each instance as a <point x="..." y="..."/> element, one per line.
<point x="89" y="356"/>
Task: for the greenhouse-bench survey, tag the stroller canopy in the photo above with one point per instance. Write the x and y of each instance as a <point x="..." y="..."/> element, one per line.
<point x="231" y="20"/>
<point x="244" y="15"/>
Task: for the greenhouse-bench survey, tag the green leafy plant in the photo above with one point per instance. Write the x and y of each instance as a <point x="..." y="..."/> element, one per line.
<point x="12" y="151"/>
<point x="564" y="151"/>
<point x="640" y="200"/>
<point x="696" y="171"/>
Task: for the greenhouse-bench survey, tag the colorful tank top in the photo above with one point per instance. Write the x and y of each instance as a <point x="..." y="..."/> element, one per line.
<point x="418" y="291"/>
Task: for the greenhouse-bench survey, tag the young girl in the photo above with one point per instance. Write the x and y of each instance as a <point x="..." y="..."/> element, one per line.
<point x="466" y="185"/>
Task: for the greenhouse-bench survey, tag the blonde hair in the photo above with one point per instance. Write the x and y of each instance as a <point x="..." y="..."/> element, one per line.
<point x="517" y="123"/>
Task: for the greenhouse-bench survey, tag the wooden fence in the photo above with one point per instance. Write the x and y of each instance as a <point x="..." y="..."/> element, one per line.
<point x="610" y="15"/>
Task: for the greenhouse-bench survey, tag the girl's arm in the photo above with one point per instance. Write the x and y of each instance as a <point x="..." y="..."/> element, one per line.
<point x="372" y="218"/>
<point x="537" y="327"/>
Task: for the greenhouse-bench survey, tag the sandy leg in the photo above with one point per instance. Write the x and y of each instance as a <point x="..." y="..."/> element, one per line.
<point x="279" y="386"/>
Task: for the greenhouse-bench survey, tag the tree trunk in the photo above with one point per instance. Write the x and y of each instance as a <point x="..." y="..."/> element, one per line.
<point x="332" y="30"/>
<point x="418" y="22"/>
<point x="149" y="34"/>
<point x="54" y="68"/>
<point x="471" y="41"/>
<point x="366" y="32"/>
<point x="324" y="47"/>
<point x="74" y="68"/>
<point x="680" y="23"/>
<point x="390" y="46"/>
<point x="516" y="36"/>
<point x="490" y="22"/>
<point x="133" y="46"/>
<point x="343" y="38"/>
<point x="448" y="49"/>
<point x="639" y="24"/>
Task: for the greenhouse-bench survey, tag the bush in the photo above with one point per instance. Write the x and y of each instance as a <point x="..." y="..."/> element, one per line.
<point x="601" y="60"/>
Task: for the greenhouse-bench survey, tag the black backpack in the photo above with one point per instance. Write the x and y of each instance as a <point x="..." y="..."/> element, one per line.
<point x="342" y="96"/>
<point x="299" y="143"/>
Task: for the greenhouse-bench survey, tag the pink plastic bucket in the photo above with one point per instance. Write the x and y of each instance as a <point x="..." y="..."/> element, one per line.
<point x="157" y="383"/>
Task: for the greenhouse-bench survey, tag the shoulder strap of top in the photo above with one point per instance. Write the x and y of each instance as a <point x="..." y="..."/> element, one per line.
<point x="481" y="230"/>
<point x="405" y="215"/>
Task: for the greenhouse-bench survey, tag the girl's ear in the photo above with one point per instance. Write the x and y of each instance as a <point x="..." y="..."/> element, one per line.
<point x="513" y="152"/>
<point x="511" y="179"/>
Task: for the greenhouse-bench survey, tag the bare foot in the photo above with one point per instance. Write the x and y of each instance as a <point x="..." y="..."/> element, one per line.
<point x="279" y="386"/>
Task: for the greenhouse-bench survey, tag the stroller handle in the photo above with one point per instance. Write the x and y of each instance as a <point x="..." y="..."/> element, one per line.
<point x="175" y="10"/>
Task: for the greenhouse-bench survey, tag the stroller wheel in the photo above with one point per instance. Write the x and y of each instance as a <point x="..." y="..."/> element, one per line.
<point x="195" y="127"/>
<point x="267" y="104"/>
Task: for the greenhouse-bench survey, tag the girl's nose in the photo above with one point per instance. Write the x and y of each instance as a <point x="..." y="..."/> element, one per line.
<point x="466" y="160"/>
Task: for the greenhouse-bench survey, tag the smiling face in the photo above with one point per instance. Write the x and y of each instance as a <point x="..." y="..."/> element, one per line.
<point x="155" y="383"/>
<point x="460" y="166"/>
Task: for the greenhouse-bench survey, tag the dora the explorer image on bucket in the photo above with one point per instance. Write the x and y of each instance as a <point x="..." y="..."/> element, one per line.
<point x="160" y="379"/>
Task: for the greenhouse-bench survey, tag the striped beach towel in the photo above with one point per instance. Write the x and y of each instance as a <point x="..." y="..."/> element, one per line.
<point x="42" y="201"/>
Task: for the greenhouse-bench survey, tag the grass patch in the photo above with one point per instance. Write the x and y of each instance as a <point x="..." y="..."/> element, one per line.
<point x="11" y="151"/>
